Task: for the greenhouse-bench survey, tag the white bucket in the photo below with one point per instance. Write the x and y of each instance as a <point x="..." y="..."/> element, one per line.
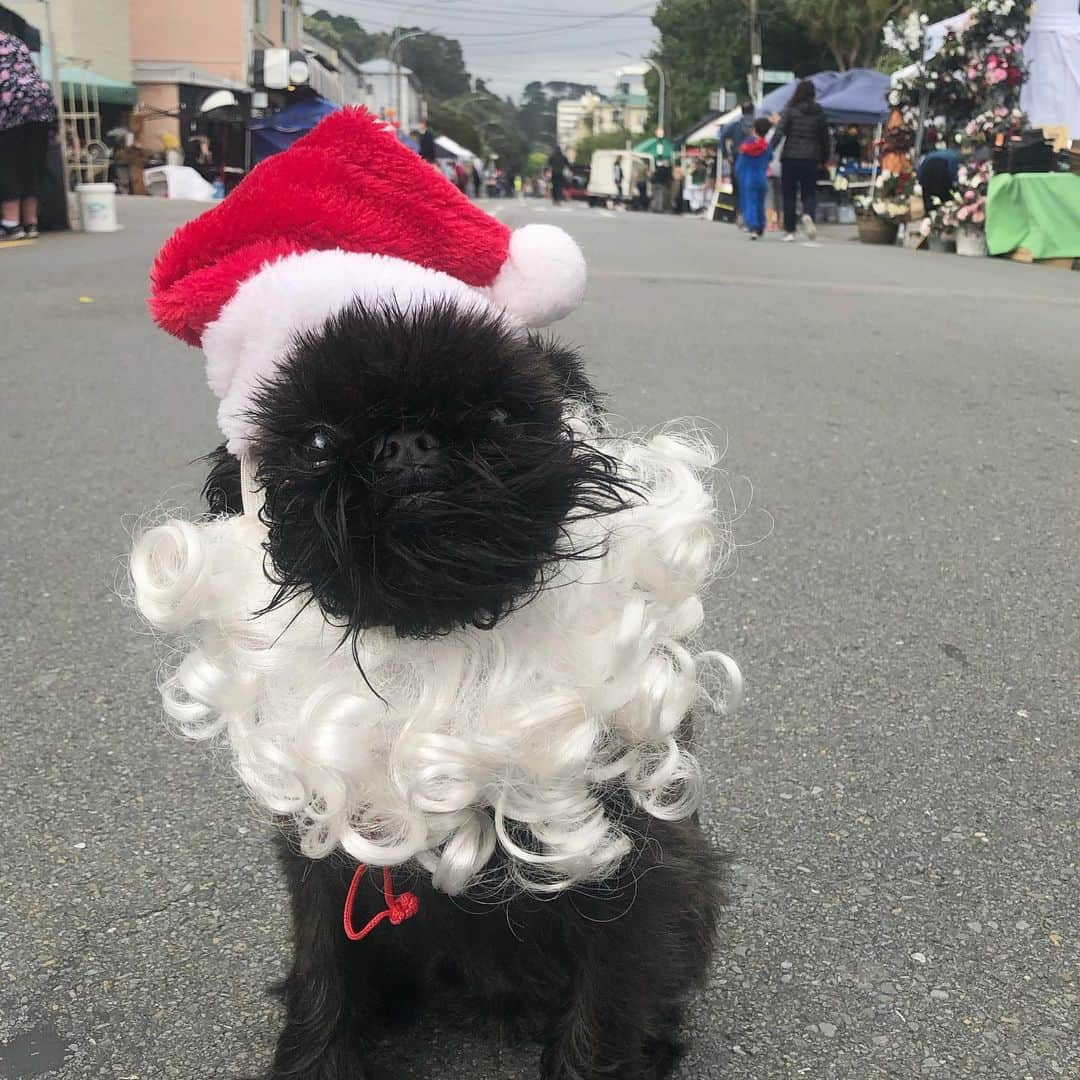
<point x="97" y="205"/>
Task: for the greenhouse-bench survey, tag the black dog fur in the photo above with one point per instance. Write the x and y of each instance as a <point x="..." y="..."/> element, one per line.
<point x="461" y="535"/>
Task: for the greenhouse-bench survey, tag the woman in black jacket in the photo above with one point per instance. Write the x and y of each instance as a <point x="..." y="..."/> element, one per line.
<point x="806" y="148"/>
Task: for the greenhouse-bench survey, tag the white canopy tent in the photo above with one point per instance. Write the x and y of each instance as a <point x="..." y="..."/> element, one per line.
<point x="1051" y="94"/>
<point x="708" y="131"/>
<point x="455" y="148"/>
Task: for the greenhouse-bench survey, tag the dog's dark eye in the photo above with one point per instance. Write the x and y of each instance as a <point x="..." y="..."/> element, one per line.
<point x="317" y="447"/>
<point x="498" y="416"/>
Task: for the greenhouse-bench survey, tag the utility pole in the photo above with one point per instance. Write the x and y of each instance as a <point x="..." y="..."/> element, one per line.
<point x="754" y="79"/>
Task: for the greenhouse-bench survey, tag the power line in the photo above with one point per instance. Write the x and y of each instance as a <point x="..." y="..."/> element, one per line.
<point x="499" y="13"/>
<point x="594" y="21"/>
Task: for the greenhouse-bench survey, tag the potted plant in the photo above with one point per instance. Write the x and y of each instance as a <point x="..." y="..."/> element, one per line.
<point x="880" y="214"/>
<point x="972" y="185"/>
<point x="940" y="225"/>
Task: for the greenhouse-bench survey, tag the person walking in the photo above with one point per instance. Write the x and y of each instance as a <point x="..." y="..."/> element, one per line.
<point x="27" y="111"/>
<point x="807" y="146"/>
<point x="558" y="175"/>
<point x="752" y="168"/>
<point x="427" y="143"/>
<point x="732" y="136"/>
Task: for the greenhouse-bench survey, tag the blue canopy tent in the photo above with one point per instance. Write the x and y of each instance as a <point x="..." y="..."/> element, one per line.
<point x="277" y="132"/>
<point x="858" y="96"/>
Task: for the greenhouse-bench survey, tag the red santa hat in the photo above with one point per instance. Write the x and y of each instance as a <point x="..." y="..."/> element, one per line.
<point x="348" y="213"/>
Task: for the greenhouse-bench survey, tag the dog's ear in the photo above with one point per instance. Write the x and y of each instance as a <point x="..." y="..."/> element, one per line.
<point x="569" y="369"/>
<point x="222" y="490"/>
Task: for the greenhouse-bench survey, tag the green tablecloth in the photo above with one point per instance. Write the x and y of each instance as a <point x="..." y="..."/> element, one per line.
<point x="1037" y="211"/>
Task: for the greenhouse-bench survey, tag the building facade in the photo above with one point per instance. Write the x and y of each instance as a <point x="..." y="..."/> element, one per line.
<point x="625" y="109"/>
<point x="394" y="94"/>
<point x="183" y="54"/>
<point x="92" y="49"/>
<point x="335" y="75"/>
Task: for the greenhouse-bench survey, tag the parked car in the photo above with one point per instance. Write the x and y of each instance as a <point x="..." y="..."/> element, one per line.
<point x="579" y="182"/>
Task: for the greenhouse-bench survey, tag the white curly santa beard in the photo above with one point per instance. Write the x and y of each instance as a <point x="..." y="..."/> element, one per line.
<point x="480" y="734"/>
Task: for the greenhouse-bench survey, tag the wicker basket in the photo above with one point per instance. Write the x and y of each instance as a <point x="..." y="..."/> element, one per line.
<point x="875" y="230"/>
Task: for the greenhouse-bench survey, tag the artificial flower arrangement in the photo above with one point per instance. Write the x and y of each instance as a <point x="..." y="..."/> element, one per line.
<point x="891" y="197"/>
<point x="942" y="219"/>
<point x="972" y="186"/>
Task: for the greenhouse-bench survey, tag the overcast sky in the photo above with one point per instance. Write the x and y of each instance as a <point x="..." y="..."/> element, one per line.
<point x="513" y="42"/>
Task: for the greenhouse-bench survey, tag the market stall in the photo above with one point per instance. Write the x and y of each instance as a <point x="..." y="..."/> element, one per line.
<point x="957" y="108"/>
<point x="279" y="130"/>
<point x="855" y="100"/>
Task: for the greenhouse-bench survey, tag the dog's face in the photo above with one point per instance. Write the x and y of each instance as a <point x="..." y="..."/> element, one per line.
<point x="418" y="469"/>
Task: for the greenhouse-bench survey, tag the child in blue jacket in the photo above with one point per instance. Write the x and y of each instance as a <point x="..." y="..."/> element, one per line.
<point x="751" y="171"/>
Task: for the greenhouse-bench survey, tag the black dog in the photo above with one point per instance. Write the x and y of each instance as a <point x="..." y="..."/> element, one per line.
<point x="417" y="474"/>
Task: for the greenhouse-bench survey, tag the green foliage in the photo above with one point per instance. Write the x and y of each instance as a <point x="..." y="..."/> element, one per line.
<point x="445" y="120"/>
<point x="705" y="46"/>
<point x="537" y="113"/>
<point x="437" y="61"/>
<point x="849" y="29"/>
<point x="536" y="163"/>
<point x="342" y="32"/>
<point x="611" y="140"/>
<point x="496" y="121"/>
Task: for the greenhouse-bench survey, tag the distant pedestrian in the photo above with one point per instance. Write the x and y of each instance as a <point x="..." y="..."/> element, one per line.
<point x="807" y="147"/>
<point x="427" y="143"/>
<point x="27" y="112"/>
<point x="661" y="182"/>
<point x="617" y="176"/>
<point x="477" y="181"/>
<point x="558" y="164"/>
<point x="461" y="177"/>
<point x="752" y="169"/>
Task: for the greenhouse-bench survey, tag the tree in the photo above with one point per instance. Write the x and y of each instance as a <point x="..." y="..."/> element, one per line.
<point x="609" y="140"/>
<point x="496" y="121"/>
<point x="850" y="29"/>
<point x="437" y="62"/>
<point x="705" y="46"/>
<point x="538" y="111"/>
<point x="446" y="120"/>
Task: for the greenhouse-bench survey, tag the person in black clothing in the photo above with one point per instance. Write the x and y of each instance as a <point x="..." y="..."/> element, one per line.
<point x="848" y="146"/>
<point x="558" y="175"/>
<point x="427" y="143"/>
<point x="807" y="147"/>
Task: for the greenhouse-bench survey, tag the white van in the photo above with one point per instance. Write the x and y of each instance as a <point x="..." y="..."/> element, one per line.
<point x="601" y="189"/>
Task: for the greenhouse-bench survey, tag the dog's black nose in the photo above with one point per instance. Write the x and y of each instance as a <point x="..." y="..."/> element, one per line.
<point x="403" y="450"/>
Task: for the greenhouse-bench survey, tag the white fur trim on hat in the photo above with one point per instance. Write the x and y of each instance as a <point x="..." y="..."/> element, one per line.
<point x="298" y="293"/>
<point x="543" y="277"/>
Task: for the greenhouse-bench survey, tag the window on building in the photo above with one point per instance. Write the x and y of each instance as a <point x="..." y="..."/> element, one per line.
<point x="286" y="19"/>
<point x="261" y="13"/>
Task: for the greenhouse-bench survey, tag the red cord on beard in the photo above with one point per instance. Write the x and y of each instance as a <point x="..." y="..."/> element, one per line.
<point x="398" y="908"/>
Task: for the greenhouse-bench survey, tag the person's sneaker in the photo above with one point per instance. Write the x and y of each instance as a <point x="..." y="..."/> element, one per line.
<point x="809" y="227"/>
<point x="12" y="232"/>
<point x="789" y="238"/>
<point x="31" y="231"/>
<point x="755" y="235"/>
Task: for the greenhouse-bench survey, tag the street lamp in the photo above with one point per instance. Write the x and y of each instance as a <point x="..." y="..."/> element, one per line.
<point x="662" y="76"/>
<point x="395" y="42"/>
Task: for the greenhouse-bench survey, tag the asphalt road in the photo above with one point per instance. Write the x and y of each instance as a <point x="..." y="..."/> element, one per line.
<point x="900" y="788"/>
